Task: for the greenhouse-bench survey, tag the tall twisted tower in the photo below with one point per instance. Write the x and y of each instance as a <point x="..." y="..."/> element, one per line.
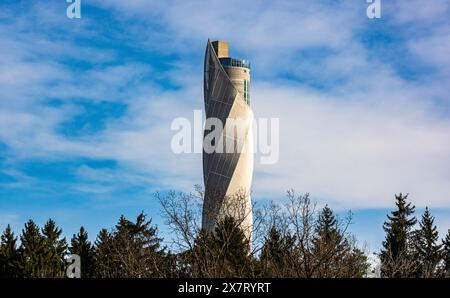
<point x="228" y="169"/>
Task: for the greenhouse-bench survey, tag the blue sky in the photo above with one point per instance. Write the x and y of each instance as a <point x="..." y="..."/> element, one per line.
<point x="86" y="105"/>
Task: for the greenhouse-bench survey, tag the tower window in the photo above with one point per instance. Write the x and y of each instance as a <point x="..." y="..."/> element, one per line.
<point x="247" y="92"/>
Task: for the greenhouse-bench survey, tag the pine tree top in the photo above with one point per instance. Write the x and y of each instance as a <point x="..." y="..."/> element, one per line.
<point x="8" y="244"/>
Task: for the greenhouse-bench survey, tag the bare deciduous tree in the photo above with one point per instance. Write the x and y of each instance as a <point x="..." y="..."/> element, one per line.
<point x="285" y="242"/>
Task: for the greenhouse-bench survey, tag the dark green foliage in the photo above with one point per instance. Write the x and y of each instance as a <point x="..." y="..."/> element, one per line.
<point x="277" y="254"/>
<point x="131" y="250"/>
<point x="426" y="247"/>
<point x="224" y="253"/>
<point x="397" y="258"/>
<point x="55" y="249"/>
<point x="356" y="264"/>
<point x="327" y="229"/>
<point x="104" y="265"/>
<point x="333" y="254"/>
<point x="10" y="265"/>
<point x="32" y="250"/>
<point x="81" y="246"/>
<point x="446" y="255"/>
<point x="329" y="244"/>
<point x="233" y="248"/>
<point x="298" y="242"/>
<point x="202" y="260"/>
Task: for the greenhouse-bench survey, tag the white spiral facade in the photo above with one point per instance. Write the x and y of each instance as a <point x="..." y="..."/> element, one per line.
<point x="228" y="175"/>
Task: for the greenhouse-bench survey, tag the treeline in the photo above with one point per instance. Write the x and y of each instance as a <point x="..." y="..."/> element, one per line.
<point x="290" y="239"/>
<point x="413" y="253"/>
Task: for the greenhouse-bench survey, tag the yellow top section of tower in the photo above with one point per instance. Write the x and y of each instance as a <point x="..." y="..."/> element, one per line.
<point x="221" y="48"/>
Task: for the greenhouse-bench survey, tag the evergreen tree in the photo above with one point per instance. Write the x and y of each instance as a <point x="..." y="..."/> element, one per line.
<point x="330" y="245"/>
<point x="139" y="243"/>
<point x="327" y="226"/>
<point x="55" y="249"/>
<point x="276" y="256"/>
<point x="222" y="253"/>
<point x="9" y="255"/>
<point x="355" y="264"/>
<point x="397" y="259"/>
<point x="32" y="250"/>
<point x="446" y="254"/>
<point x="104" y="264"/>
<point x="201" y="261"/>
<point x="81" y="246"/>
<point x="233" y="248"/>
<point x="131" y="250"/>
<point x="427" y="251"/>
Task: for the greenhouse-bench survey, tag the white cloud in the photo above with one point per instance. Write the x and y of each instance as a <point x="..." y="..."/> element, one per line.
<point x="369" y="136"/>
<point x="355" y="153"/>
<point x="433" y="50"/>
<point x="417" y="11"/>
